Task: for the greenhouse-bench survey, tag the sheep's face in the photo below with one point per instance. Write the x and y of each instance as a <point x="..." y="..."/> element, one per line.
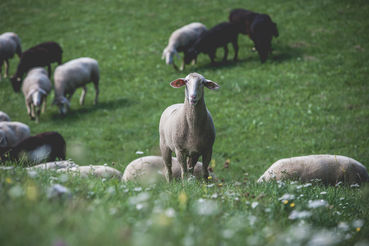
<point x="16" y="83"/>
<point x="168" y="56"/>
<point x="194" y="83"/>
<point x="63" y="105"/>
<point x="262" y="36"/>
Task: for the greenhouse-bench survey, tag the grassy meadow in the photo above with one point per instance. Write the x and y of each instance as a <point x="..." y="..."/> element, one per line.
<point x="310" y="97"/>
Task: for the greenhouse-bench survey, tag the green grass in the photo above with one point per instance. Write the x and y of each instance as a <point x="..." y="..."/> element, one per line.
<point x="311" y="97"/>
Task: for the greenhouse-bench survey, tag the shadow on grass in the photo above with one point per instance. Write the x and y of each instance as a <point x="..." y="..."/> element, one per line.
<point x="74" y="114"/>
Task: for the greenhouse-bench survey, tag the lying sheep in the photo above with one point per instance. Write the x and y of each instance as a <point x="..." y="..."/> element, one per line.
<point x="72" y="75"/>
<point x="188" y="129"/>
<point x="36" y="87"/>
<point x="40" y="55"/>
<point x="330" y="169"/>
<point x="150" y="169"/>
<point x="54" y="165"/>
<point x="97" y="171"/>
<point x="218" y="36"/>
<point x="10" y="44"/>
<point x="259" y="27"/>
<point x="181" y="40"/>
<point x="11" y="133"/>
<point x="4" y="116"/>
<point x="46" y="146"/>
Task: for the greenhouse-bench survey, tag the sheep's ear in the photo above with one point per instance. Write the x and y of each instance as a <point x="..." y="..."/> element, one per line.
<point x="211" y="85"/>
<point x="178" y="83"/>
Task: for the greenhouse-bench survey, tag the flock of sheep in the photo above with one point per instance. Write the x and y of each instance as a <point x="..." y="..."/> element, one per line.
<point x="187" y="129"/>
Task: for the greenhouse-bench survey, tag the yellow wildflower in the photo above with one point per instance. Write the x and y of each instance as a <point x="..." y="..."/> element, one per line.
<point x="212" y="164"/>
<point x="292" y="205"/>
<point x="182" y="198"/>
<point x="358" y="229"/>
<point x="285" y="202"/>
<point x="8" y="180"/>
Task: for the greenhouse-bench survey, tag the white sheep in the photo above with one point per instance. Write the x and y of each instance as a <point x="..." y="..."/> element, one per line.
<point x="72" y="75"/>
<point x="36" y="86"/>
<point x="330" y="169"/>
<point x="4" y="116"/>
<point x="150" y="169"/>
<point x="11" y="133"/>
<point x="10" y="44"/>
<point x="187" y="128"/>
<point x="97" y="171"/>
<point x="54" y="165"/>
<point x="181" y="40"/>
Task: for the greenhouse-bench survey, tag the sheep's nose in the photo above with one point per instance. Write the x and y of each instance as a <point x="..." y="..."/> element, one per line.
<point x="193" y="96"/>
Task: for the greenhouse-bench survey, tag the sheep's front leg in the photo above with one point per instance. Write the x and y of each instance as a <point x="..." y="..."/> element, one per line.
<point x="97" y="91"/>
<point x="83" y="95"/>
<point x="206" y="158"/>
<point x="6" y="68"/>
<point x="32" y="112"/>
<point x="212" y="56"/>
<point x="235" y="47"/>
<point x="192" y="160"/>
<point x="29" y="110"/>
<point x="44" y="102"/>
<point x="225" y="53"/>
<point x="167" y="158"/>
<point x="182" y="159"/>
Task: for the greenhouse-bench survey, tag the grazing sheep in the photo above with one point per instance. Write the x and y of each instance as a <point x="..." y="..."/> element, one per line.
<point x="4" y="116"/>
<point x="150" y="169"/>
<point x="97" y="171"/>
<point x="11" y="133"/>
<point x="10" y="44"/>
<point x="181" y="40"/>
<point x="72" y="75"/>
<point x="188" y="129"/>
<point x="40" y="55"/>
<point x="259" y="27"/>
<point x="218" y="36"/>
<point x="330" y="169"/>
<point x="46" y="146"/>
<point x="36" y="86"/>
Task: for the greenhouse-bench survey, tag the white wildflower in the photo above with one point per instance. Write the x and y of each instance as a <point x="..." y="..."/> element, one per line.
<point x="206" y="207"/>
<point x="317" y="203"/>
<point x="299" y="214"/>
<point x="254" y="204"/>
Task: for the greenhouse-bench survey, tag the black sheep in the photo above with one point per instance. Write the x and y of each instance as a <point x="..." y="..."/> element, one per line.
<point x="46" y="146"/>
<point x="40" y="55"/>
<point x="259" y="27"/>
<point x="218" y="36"/>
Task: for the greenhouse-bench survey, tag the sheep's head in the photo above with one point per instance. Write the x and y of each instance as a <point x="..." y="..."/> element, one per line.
<point x="194" y="83"/>
<point x="63" y="104"/>
<point x="3" y="139"/>
<point x="168" y="55"/>
<point x="190" y="55"/>
<point x="16" y="83"/>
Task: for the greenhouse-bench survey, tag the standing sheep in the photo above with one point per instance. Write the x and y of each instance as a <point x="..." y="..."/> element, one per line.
<point x="40" y="55"/>
<point x="10" y="44"/>
<point x="188" y="129"/>
<point x="4" y="116"/>
<point x="11" y="133"/>
<point x="72" y="75"/>
<point x="218" y="36"/>
<point x="259" y="27"/>
<point x="36" y="87"/>
<point x="181" y="40"/>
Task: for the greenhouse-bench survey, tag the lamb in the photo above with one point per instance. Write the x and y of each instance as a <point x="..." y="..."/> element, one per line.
<point x="4" y="116"/>
<point x="259" y="27"/>
<point x="218" y="36"/>
<point x="72" y="75"/>
<point x="36" y="87"/>
<point x="10" y="44"/>
<point x="149" y="169"/>
<point x="188" y="129"/>
<point x="46" y="146"/>
<point x="330" y="169"/>
<point x="11" y="133"/>
<point x="40" y="55"/>
<point x="181" y="40"/>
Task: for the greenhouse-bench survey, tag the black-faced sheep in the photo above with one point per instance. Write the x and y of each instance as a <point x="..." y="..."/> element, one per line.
<point x="40" y="55"/>
<point x="36" y="86"/>
<point x="181" y="40"/>
<point x="10" y="44"/>
<point x="46" y="146"/>
<point x="188" y="129"/>
<point x="218" y="36"/>
<point x="259" y="27"/>
<point x="72" y="75"/>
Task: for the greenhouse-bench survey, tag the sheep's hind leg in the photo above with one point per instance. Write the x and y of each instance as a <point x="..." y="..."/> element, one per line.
<point x="192" y="160"/>
<point x="235" y="47"/>
<point x="167" y="158"/>
<point x="83" y="95"/>
<point x="225" y="53"/>
<point x="6" y="68"/>
<point x="44" y="102"/>
<point x="97" y="91"/>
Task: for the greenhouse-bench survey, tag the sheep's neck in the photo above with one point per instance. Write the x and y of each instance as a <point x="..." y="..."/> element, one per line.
<point x="196" y="115"/>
